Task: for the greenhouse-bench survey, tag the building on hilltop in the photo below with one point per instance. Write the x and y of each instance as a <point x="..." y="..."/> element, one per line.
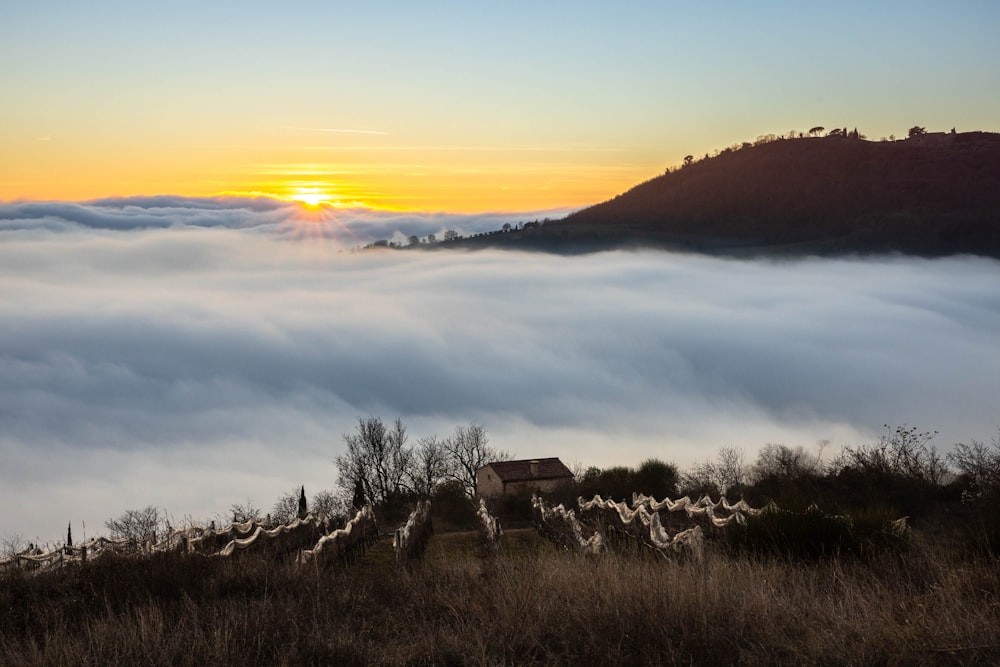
<point x="503" y="478"/>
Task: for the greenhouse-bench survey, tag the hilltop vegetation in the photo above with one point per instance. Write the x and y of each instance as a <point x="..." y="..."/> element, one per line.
<point x="931" y="194"/>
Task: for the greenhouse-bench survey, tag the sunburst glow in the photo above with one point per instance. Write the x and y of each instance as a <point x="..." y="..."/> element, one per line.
<point x="312" y="197"/>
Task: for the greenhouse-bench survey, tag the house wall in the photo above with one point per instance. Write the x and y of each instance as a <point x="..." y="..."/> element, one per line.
<point x="488" y="484"/>
<point x="529" y="486"/>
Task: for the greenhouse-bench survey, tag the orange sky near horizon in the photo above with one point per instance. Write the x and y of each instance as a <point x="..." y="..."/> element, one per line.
<point x="458" y="107"/>
<point x="358" y="168"/>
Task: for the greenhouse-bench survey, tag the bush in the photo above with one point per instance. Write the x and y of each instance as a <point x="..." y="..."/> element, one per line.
<point x="451" y="509"/>
<point x="814" y="534"/>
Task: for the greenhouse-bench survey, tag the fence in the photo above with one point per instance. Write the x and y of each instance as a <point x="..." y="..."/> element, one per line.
<point x="343" y="543"/>
<point x="410" y="541"/>
<point x="489" y="526"/>
<point x="560" y="526"/>
<point x="642" y="520"/>
<point x="237" y="538"/>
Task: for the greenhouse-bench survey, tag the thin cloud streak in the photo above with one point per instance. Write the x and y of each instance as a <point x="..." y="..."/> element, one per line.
<point x="335" y="129"/>
<point x="195" y="353"/>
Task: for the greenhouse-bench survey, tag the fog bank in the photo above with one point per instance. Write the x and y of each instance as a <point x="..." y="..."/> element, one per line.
<point x="176" y="354"/>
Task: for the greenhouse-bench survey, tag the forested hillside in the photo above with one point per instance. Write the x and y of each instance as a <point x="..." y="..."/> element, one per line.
<point x="931" y="194"/>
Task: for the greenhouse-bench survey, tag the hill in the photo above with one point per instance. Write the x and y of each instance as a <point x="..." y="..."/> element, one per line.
<point x="932" y="194"/>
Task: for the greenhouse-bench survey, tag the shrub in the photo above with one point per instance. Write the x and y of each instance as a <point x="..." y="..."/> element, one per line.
<point x="451" y="508"/>
<point x="814" y="534"/>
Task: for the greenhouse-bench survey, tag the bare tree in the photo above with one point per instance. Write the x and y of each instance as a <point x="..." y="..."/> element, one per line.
<point x="783" y="462"/>
<point x="430" y="464"/>
<point x="701" y="479"/>
<point x="11" y="545"/>
<point x="327" y="503"/>
<point x="243" y="512"/>
<point x="286" y="508"/>
<point x="727" y="474"/>
<point x="732" y="469"/>
<point x="468" y="448"/>
<point x="377" y="457"/>
<point x="137" y="525"/>
<point x="903" y="453"/>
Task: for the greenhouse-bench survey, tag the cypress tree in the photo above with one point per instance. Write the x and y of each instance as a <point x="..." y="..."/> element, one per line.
<point x="303" y="510"/>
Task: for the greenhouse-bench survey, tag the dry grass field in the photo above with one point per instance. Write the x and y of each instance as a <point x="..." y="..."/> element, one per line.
<point x="531" y="604"/>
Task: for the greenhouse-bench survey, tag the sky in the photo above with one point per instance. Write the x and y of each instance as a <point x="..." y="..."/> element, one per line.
<point x="458" y="106"/>
<point x="183" y="323"/>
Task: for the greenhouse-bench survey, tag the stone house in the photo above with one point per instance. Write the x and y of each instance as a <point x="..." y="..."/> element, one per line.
<point x="503" y="478"/>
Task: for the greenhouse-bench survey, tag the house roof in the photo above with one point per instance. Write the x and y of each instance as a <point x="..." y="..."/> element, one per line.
<point x="520" y="471"/>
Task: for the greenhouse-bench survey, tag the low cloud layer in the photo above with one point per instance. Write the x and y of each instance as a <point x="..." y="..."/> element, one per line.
<point x="196" y="353"/>
<point x="339" y="228"/>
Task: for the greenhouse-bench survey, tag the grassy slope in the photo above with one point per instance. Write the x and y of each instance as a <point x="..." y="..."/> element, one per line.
<point x="531" y="605"/>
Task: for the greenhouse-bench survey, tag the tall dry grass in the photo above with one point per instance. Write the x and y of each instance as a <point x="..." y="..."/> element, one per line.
<point x="533" y="605"/>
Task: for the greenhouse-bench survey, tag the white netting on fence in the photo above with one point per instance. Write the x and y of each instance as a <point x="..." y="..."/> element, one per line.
<point x="642" y="519"/>
<point x="226" y="542"/>
<point x="692" y="508"/>
<point x="690" y="541"/>
<point x="281" y="540"/>
<point x="490" y="526"/>
<point x="410" y="541"/>
<point x="344" y="542"/>
<point x="212" y="540"/>
<point x="36" y="559"/>
<point x="562" y="527"/>
<point x="643" y="507"/>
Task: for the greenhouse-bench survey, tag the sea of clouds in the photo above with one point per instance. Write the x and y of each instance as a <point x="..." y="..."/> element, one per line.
<point x="195" y="353"/>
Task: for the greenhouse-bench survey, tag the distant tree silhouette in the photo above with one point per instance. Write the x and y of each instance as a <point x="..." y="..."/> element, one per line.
<point x="286" y="508"/>
<point x="378" y="456"/>
<point x="656" y="478"/>
<point x="413" y="240"/>
<point x="816" y="130"/>
<point x="688" y="159"/>
<point x="244" y="512"/>
<point x="430" y="465"/>
<point x="136" y="525"/>
<point x="326" y="502"/>
<point x="450" y="235"/>
<point x="917" y="131"/>
<point x="468" y="448"/>
<point x="506" y="226"/>
<point x="358" y="501"/>
<point x="303" y="509"/>
<point x="431" y="238"/>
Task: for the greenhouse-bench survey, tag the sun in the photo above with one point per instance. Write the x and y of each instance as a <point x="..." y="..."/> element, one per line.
<point x="313" y="197"/>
